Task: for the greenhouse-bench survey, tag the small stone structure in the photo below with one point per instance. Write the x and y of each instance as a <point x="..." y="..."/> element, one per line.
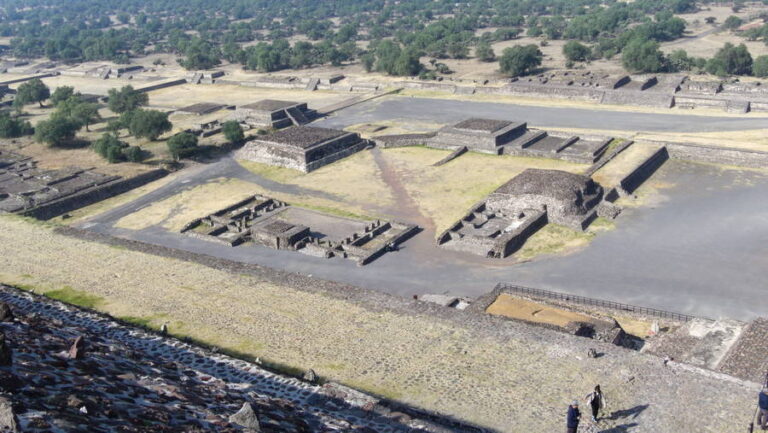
<point x="200" y="108"/>
<point x="506" y="137"/>
<point x="269" y="222"/>
<point x="270" y="113"/>
<point x="498" y="226"/>
<point x="303" y="148"/>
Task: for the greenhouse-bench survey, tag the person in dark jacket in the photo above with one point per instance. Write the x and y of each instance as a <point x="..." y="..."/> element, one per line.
<point x="596" y="401"/>
<point x="572" y="422"/>
<point x="762" y="403"/>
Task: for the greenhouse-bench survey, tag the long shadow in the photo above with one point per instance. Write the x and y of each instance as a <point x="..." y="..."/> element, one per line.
<point x="623" y="428"/>
<point x="252" y="379"/>
<point x="626" y="413"/>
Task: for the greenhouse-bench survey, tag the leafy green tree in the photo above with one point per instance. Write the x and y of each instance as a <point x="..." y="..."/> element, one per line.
<point x="126" y="99"/>
<point x="11" y="127"/>
<point x="182" y="145"/>
<point x="643" y="56"/>
<point x="32" y="91"/>
<point x="110" y="148"/>
<point x="760" y="67"/>
<point x="575" y="51"/>
<point x="86" y="113"/>
<point x="368" y="60"/>
<point x="62" y="93"/>
<point x="733" y="22"/>
<point x="148" y="124"/>
<point x="520" y="60"/>
<point x="407" y="63"/>
<point x="134" y="154"/>
<point x="233" y="132"/>
<point x="56" y="131"/>
<point x="484" y="52"/>
<point x="731" y="60"/>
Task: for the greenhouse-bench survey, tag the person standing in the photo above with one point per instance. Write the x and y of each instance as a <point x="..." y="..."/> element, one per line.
<point x="596" y="401"/>
<point x="762" y="403"/>
<point x="572" y="421"/>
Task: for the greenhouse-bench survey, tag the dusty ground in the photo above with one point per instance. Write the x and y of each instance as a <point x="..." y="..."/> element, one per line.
<point x="516" y="308"/>
<point x="506" y="376"/>
<point x="188" y="94"/>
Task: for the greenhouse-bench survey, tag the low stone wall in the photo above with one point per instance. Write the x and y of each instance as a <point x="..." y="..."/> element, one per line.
<point x="717" y="155"/>
<point x="643" y="171"/>
<point x="648" y="99"/>
<point x="608" y="158"/>
<point x="93" y="195"/>
<point x="31" y="77"/>
<point x="403" y="140"/>
<point x="408" y="232"/>
<point x="164" y="85"/>
<point x="314" y="165"/>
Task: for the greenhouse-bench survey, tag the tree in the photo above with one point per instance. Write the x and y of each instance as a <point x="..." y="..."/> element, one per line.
<point x="13" y="127"/>
<point x="576" y="52"/>
<point x="32" y="91"/>
<point x="110" y="148"/>
<point x="407" y="63"/>
<point x="86" y="113"/>
<point x="760" y="67"/>
<point x="182" y="144"/>
<point x="731" y="60"/>
<point x="520" y="60"/>
<point x="134" y="154"/>
<point x="732" y="22"/>
<point x="643" y="56"/>
<point x="62" y="93"/>
<point x="126" y="99"/>
<point x="484" y="52"/>
<point x="233" y="132"/>
<point x="56" y="131"/>
<point x="368" y="59"/>
<point x="148" y="123"/>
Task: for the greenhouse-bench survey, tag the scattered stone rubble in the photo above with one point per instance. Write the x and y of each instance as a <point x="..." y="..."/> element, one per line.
<point x="498" y="226"/>
<point x="303" y="148"/>
<point x="269" y="222"/>
<point x="129" y="380"/>
<point x="503" y="137"/>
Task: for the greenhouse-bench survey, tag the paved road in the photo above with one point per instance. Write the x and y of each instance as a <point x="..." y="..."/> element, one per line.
<point x="702" y="251"/>
<point x="451" y="111"/>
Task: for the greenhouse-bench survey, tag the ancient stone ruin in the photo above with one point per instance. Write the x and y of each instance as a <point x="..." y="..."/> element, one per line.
<point x="200" y="109"/>
<point x="506" y="137"/>
<point x="275" y="224"/>
<point x="24" y="186"/>
<point x="498" y="226"/>
<point x="270" y="113"/>
<point x="303" y="148"/>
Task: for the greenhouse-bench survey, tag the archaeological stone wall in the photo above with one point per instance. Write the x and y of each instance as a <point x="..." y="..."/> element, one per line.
<point x="717" y="155"/>
<point x="93" y="195"/>
<point x="642" y="172"/>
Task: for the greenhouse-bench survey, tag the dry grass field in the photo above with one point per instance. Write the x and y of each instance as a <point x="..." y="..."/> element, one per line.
<point x="517" y="373"/>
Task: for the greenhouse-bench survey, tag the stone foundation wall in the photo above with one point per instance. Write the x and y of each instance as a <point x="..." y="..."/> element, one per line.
<point x="642" y="172"/>
<point x="93" y="195"/>
<point x="162" y="85"/>
<point x="718" y="155"/>
<point x="314" y="165"/>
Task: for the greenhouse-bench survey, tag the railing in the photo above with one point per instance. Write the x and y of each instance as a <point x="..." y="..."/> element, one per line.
<point x="505" y="287"/>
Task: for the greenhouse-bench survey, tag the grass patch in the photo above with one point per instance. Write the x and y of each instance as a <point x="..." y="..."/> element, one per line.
<point x="553" y="239"/>
<point x="277" y="174"/>
<point x="143" y="321"/>
<point x="380" y="391"/>
<point x="75" y="297"/>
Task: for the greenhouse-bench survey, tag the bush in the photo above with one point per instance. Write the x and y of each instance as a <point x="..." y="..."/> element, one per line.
<point x="731" y="60"/>
<point x="233" y="132"/>
<point x="520" y="60"/>
<point x="182" y="145"/>
<point x="643" y="56"/>
<point x="110" y="148"/>
<point x="12" y="127"/>
<point x="134" y="154"/>
<point x="760" y="67"/>
<point x="576" y="52"/>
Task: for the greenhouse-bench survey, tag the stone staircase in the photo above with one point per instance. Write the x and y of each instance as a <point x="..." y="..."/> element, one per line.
<point x="312" y="85"/>
<point x="296" y="116"/>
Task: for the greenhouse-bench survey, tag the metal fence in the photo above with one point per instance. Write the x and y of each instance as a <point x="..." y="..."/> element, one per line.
<point x="505" y="287"/>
